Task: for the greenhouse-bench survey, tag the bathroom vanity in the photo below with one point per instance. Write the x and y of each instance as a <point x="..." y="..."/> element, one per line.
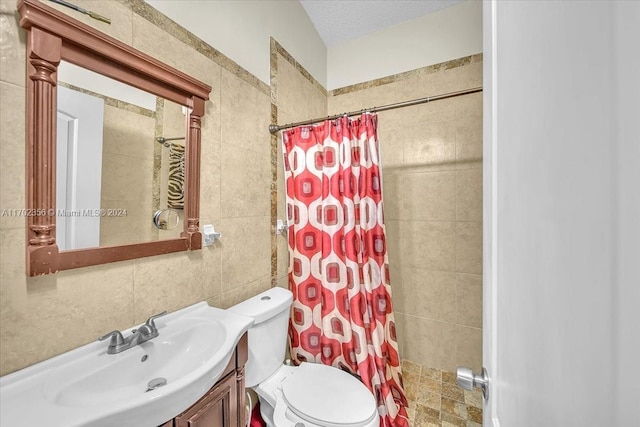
<point x="223" y="405"/>
<point x="191" y="375"/>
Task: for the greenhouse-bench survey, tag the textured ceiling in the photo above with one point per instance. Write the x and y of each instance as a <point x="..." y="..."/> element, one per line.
<point x="339" y="21"/>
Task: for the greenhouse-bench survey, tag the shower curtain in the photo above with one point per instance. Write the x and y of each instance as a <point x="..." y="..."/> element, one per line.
<point x="342" y="314"/>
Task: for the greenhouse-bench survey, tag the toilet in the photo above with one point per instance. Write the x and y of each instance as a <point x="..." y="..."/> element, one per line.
<point x="309" y="395"/>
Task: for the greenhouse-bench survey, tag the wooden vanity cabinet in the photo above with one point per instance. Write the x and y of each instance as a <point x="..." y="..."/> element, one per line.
<point x="224" y="404"/>
<point x="214" y="409"/>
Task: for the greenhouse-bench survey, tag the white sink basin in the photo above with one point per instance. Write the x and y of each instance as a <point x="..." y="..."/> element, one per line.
<point x="88" y="387"/>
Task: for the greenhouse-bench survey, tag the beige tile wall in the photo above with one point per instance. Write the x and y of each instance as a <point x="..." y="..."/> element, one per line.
<point x="124" y="163"/>
<point x="432" y="165"/>
<point x="44" y="316"/>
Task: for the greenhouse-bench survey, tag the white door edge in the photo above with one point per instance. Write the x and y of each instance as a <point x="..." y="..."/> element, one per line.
<point x="489" y="190"/>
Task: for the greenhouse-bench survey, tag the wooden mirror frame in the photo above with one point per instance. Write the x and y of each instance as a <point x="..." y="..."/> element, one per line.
<point x="51" y="37"/>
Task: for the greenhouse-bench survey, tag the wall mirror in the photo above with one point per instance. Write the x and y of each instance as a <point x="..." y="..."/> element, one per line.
<point x="112" y="136"/>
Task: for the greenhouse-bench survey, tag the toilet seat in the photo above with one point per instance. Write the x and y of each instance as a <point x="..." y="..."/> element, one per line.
<point x="326" y="396"/>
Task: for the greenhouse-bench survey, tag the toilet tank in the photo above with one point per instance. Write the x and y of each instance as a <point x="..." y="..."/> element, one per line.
<point x="268" y="335"/>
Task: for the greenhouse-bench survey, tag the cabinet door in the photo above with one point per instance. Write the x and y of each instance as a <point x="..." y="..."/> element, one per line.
<point x="216" y="409"/>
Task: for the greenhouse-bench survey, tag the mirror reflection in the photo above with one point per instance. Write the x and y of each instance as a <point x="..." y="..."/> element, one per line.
<point x="112" y="172"/>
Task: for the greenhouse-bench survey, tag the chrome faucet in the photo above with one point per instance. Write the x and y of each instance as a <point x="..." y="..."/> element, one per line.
<point x="144" y="333"/>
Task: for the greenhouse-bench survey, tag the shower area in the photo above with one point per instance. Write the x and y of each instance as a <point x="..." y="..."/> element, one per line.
<point x="431" y="156"/>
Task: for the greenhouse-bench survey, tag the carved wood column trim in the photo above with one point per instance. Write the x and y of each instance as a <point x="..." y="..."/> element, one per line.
<point x="192" y="168"/>
<point x="43" y="58"/>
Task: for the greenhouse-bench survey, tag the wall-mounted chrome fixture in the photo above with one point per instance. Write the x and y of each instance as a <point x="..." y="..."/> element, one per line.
<point x="281" y="227"/>
<point x="209" y="235"/>
<point x="165" y="141"/>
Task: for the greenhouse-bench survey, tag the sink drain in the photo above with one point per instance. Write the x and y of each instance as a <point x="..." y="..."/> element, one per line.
<point x="156" y="383"/>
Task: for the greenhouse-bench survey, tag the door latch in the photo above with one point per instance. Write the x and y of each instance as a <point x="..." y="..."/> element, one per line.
<point x="468" y="380"/>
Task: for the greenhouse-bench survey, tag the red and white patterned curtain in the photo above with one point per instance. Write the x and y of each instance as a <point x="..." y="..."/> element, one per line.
<point x="342" y="314"/>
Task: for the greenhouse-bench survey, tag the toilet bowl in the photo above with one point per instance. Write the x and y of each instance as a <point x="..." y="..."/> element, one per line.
<point x="316" y="396"/>
<point x="309" y="395"/>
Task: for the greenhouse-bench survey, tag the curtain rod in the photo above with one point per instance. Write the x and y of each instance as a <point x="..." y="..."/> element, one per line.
<point x="162" y="140"/>
<point x="275" y="128"/>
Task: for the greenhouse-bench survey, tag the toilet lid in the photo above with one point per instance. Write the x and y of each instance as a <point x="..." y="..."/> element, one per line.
<point x="324" y="395"/>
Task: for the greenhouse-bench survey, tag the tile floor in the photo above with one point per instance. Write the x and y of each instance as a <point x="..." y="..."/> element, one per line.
<point x="436" y="401"/>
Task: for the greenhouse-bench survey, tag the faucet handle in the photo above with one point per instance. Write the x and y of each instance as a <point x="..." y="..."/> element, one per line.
<point x="150" y="321"/>
<point x="116" y="338"/>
